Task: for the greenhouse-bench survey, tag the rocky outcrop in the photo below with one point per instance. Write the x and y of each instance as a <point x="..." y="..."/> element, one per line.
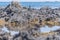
<point x="28" y="22"/>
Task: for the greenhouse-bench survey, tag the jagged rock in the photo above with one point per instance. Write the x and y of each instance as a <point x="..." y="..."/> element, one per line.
<point x="28" y="21"/>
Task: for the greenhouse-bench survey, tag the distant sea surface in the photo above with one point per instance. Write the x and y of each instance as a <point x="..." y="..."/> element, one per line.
<point x="34" y="4"/>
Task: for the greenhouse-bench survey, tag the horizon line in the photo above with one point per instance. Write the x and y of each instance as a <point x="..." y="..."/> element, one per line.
<point x="32" y="1"/>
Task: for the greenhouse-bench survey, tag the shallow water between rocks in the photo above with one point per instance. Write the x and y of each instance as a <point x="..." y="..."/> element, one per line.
<point x="42" y="29"/>
<point x="48" y="29"/>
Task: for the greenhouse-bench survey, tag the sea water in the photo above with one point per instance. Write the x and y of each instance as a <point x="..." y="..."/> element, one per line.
<point x="34" y="4"/>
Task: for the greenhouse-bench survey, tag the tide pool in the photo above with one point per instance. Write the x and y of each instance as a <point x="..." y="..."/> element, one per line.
<point x="42" y="29"/>
<point x="48" y="29"/>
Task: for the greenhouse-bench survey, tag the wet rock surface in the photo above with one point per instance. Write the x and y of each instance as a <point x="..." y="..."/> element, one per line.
<point x="25" y="36"/>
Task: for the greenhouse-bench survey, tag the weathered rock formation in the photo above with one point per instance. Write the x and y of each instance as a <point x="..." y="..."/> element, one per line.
<point x="27" y="21"/>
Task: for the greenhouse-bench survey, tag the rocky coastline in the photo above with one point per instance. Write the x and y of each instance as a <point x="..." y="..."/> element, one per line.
<point x="28" y="21"/>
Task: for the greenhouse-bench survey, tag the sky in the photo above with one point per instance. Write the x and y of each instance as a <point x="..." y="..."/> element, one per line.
<point x="29" y="0"/>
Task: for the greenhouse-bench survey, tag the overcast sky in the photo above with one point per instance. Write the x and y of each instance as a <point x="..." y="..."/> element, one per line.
<point x="29" y="0"/>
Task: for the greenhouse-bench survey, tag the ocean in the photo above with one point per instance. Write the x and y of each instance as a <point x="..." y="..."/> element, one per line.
<point x="34" y="4"/>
